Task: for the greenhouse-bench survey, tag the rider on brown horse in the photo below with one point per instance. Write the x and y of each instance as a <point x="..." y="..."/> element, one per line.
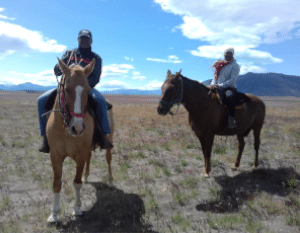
<point x="224" y="81"/>
<point x="82" y="56"/>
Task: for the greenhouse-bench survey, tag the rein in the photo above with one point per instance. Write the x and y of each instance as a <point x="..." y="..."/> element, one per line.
<point x="63" y="108"/>
<point x="176" y="101"/>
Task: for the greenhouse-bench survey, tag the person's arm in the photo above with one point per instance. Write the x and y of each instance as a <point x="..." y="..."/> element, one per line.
<point x="65" y="59"/>
<point x="213" y="82"/>
<point x="95" y="75"/>
<point x="231" y="82"/>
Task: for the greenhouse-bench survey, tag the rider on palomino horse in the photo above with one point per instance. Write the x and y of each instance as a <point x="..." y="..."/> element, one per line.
<point x="84" y="56"/>
<point x="225" y="77"/>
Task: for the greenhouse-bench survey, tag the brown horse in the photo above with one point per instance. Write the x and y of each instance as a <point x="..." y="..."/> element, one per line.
<point x="207" y="117"/>
<point x="71" y="133"/>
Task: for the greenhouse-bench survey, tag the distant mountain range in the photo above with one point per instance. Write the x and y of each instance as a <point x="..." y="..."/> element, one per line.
<point x="261" y="84"/>
<point x="268" y="84"/>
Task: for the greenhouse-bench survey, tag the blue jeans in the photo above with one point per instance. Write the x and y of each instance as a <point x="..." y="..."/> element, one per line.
<point x="100" y="111"/>
<point x="227" y="95"/>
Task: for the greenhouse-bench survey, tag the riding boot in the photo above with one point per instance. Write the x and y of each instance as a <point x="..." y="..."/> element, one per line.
<point x="44" y="146"/>
<point x="102" y="139"/>
<point x="231" y="122"/>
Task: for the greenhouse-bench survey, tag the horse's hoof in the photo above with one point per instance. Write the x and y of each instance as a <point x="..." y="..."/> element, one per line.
<point x="234" y="168"/>
<point x="85" y="179"/>
<point x="52" y="218"/>
<point x="206" y="175"/>
<point x="77" y="212"/>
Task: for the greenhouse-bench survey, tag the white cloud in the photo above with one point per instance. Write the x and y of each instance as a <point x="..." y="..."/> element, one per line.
<point x="154" y="84"/>
<point x="128" y="59"/>
<point x="116" y="70"/>
<point x="255" y="69"/>
<point x="238" y="23"/>
<point x="171" y="59"/>
<point x="6" y="53"/>
<point x="45" y="78"/>
<point x="46" y="73"/>
<point x="242" y="52"/>
<point x="5" y="17"/>
<point x="14" y="37"/>
<point x="139" y="77"/>
<point x="114" y="84"/>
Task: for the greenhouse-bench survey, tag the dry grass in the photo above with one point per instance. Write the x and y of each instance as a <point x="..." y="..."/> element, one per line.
<point x="156" y="167"/>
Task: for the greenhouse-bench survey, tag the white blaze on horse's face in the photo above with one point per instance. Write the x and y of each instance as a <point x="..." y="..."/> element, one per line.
<point x="78" y="122"/>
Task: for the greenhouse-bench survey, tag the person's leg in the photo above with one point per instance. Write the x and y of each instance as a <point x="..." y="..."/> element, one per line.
<point x="221" y="92"/>
<point x="101" y="111"/>
<point x="41" y="101"/>
<point x="101" y="119"/>
<point x="230" y="103"/>
<point x="230" y="99"/>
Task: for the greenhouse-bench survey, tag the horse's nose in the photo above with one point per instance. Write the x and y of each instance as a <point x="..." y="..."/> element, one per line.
<point x="159" y="109"/>
<point x="77" y="130"/>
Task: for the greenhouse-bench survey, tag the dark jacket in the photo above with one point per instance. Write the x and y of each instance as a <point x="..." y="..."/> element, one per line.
<point x="87" y="57"/>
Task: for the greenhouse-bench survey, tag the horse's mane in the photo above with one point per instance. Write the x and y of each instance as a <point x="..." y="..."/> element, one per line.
<point x="77" y="68"/>
<point x="195" y="83"/>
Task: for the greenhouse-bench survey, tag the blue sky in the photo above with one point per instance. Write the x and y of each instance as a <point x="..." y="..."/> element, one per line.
<point x="140" y="40"/>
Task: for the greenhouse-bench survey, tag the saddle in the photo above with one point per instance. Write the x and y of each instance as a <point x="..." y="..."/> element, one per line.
<point x="240" y="99"/>
<point x="91" y="109"/>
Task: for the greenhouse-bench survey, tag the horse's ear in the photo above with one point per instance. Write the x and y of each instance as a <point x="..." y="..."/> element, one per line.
<point x="90" y="67"/>
<point x="63" y="67"/>
<point x="178" y="73"/>
<point x="169" y="73"/>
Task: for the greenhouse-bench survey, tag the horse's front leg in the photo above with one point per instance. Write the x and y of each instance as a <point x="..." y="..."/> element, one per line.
<point x="209" y="139"/>
<point x="57" y="164"/>
<point x="87" y="168"/>
<point x="202" y="142"/>
<point x="77" y="183"/>
<point x="111" y="139"/>
<point x="108" y="159"/>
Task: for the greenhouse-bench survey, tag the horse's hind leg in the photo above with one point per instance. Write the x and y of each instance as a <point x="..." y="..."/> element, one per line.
<point x="108" y="159"/>
<point x="256" y="132"/>
<point x="77" y="185"/>
<point x="241" y="148"/>
<point x="87" y="168"/>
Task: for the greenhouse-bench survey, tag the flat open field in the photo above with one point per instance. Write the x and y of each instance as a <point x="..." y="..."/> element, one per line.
<point x="157" y="164"/>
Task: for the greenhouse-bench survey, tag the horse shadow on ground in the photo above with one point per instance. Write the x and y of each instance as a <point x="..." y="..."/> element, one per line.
<point x="243" y="187"/>
<point x="114" y="211"/>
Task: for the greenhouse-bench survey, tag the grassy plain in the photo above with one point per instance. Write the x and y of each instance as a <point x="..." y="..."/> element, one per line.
<point x="157" y="164"/>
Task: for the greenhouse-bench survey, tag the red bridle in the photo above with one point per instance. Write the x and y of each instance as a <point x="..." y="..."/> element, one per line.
<point x="79" y="115"/>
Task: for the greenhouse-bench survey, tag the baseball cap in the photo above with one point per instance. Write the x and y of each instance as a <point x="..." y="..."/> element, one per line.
<point x="86" y="33"/>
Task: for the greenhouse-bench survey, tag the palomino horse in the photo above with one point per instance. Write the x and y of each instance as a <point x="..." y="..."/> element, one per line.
<point x="207" y="117"/>
<point x="71" y="132"/>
